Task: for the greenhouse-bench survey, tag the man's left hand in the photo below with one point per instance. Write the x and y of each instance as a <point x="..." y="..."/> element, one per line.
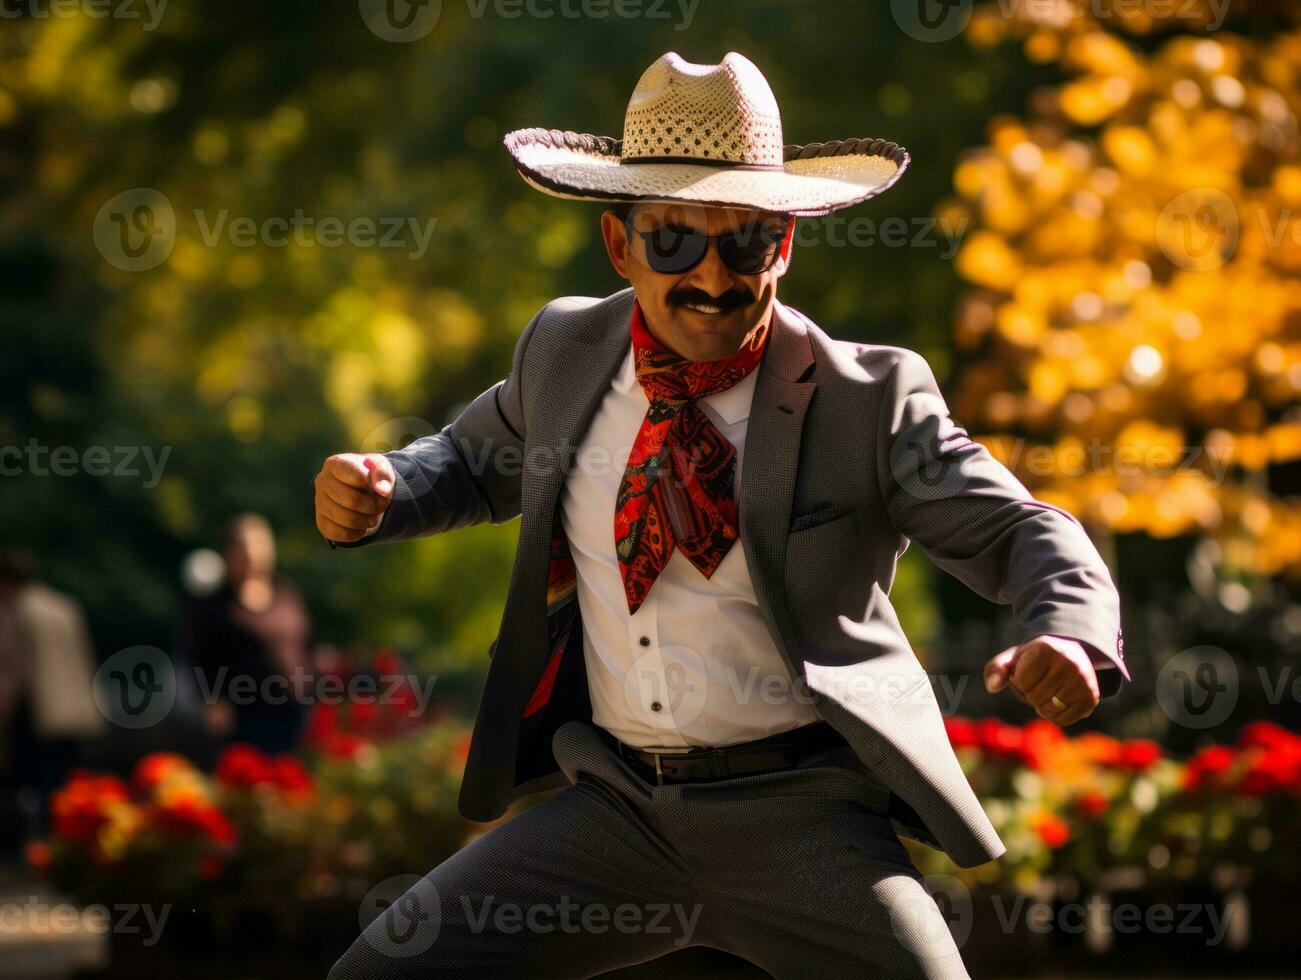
<point x="1053" y="674"/>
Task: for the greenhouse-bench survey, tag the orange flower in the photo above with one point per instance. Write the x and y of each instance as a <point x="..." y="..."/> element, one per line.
<point x="191" y="817"/>
<point x="1040" y="739"/>
<point x="83" y="806"/>
<point x="38" y="855"/>
<point x="461" y="750"/>
<point x="157" y="768"/>
<point x="1052" y="829"/>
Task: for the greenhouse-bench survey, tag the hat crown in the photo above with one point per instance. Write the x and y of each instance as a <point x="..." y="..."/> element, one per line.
<point x="724" y="114"/>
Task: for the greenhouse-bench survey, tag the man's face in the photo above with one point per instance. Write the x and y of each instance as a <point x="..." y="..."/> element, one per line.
<point x="707" y="312"/>
<point x="250" y="553"/>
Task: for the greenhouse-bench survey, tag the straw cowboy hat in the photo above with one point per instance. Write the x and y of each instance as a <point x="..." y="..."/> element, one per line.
<point x="707" y="134"/>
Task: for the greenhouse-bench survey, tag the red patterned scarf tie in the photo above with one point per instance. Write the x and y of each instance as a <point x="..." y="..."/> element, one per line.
<point x="677" y="490"/>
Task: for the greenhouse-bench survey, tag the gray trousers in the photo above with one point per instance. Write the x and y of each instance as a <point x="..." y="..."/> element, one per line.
<point x="795" y="871"/>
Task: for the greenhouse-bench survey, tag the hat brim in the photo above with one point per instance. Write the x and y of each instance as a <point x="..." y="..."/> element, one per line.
<point x="813" y="180"/>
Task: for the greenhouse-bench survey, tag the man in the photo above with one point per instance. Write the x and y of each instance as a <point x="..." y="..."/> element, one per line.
<point x="697" y="646"/>
<point x="48" y="717"/>
<point x="254" y="628"/>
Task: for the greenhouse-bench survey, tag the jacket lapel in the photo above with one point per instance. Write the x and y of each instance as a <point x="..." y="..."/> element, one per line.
<point x="772" y="453"/>
<point x="588" y="364"/>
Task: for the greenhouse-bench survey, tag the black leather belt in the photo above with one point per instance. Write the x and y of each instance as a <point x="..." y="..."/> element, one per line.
<point x="781" y="751"/>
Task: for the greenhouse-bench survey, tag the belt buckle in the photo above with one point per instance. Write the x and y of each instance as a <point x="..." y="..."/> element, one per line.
<point x="715" y="758"/>
<point x="662" y="750"/>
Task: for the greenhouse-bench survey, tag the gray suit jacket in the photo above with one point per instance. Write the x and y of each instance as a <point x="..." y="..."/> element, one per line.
<point x="850" y="455"/>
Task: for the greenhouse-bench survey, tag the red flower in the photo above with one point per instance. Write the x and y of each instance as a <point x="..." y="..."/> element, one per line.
<point x="1091" y="804"/>
<point x="1269" y="772"/>
<point x="322" y="722"/>
<point x="386" y="662"/>
<point x="1002" y="742"/>
<point x="962" y="733"/>
<point x="1215" y="759"/>
<point x="363" y="715"/>
<point x="1037" y="741"/>
<point x="1267" y="735"/>
<point x="1206" y="769"/>
<point x="290" y="776"/>
<point x="210" y="867"/>
<point x="243" y="766"/>
<point x="1138" y="755"/>
<point x="343" y="745"/>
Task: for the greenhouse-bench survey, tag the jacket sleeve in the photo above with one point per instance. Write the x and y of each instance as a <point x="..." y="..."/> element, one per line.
<point x="979" y="523"/>
<point x="467" y="473"/>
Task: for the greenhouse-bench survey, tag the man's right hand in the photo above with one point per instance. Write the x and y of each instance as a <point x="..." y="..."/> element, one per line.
<point x="352" y="492"/>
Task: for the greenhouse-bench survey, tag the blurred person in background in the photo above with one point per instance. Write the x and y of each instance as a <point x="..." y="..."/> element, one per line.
<point x="47" y="677"/>
<point x="247" y="641"/>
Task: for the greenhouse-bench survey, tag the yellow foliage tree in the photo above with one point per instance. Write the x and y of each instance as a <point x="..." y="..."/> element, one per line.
<point x="1132" y="334"/>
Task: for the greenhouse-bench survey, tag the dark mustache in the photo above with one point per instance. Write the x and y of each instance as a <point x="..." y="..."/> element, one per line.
<point x="731" y="300"/>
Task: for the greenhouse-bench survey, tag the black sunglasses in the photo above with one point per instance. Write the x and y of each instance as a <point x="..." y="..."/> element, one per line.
<point x="747" y="252"/>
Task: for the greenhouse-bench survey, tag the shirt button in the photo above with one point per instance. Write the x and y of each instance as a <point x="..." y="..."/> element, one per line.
<point x="644" y="641"/>
<point x="655" y="706"/>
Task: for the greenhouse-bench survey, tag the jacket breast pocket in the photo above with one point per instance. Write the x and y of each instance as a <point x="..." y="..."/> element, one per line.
<point x="816" y="518"/>
<point x="825" y="571"/>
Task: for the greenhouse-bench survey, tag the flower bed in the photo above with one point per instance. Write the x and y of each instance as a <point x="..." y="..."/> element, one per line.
<point x="259" y="824"/>
<point x="1079" y="807"/>
<point x="362" y="808"/>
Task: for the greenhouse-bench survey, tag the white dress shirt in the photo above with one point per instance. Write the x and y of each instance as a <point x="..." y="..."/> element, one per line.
<point x="695" y="665"/>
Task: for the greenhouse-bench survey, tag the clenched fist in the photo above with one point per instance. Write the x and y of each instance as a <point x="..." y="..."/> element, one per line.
<point x="352" y="493"/>
<point x="1053" y="674"/>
